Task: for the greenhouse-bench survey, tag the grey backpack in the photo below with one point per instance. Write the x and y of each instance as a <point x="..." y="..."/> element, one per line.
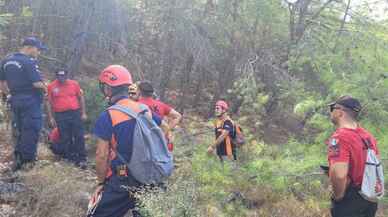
<point x="372" y="187"/>
<point x="151" y="162"/>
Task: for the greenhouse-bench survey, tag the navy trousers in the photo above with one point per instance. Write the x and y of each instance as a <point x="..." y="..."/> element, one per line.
<point x="353" y="205"/>
<point x="116" y="201"/>
<point x="27" y="116"/>
<point x="72" y="143"/>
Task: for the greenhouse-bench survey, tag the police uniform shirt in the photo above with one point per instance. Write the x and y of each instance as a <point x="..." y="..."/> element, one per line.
<point x="20" y="71"/>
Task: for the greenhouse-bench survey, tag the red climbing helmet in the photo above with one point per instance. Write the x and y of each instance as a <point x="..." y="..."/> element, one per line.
<point x="222" y="104"/>
<point x="115" y="75"/>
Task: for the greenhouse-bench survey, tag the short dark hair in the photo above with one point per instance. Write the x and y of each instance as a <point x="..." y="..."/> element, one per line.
<point x="120" y="90"/>
<point x="146" y="88"/>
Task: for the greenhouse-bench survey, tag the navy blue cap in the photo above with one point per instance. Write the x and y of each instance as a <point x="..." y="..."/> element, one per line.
<point x="32" y="41"/>
<point x="349" y="102"/>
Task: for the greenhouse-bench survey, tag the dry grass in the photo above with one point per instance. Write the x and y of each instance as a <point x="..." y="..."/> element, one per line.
<point x="54" y="190"/>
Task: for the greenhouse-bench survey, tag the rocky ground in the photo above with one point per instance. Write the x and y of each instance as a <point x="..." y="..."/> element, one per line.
<point x="51" y="188"/>
<point x="6" y="207"/>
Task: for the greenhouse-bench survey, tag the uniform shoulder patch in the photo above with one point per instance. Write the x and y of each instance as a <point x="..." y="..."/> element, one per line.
<point x="333" y="147"/>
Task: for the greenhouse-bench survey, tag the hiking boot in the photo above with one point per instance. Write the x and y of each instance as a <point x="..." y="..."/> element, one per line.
<point x="17" y="163"/>
<point x="16" y="166"/>
<point x="22" y="165"/>
<point x="135" y="213"/>
<point x="82" y="165"/>
<point x="28" y="165"/>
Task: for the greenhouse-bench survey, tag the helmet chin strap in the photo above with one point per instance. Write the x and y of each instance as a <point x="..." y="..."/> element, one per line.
<point x="102" y="89"/>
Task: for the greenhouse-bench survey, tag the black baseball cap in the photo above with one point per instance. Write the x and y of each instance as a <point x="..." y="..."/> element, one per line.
<point x="146" y="87"/>
<point x="349" y="103"/>
<point x="33" y="41"/>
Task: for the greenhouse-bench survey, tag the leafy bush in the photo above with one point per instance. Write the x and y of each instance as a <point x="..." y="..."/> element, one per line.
<point x="261" y="183"/>
<point x="95" y="102"/>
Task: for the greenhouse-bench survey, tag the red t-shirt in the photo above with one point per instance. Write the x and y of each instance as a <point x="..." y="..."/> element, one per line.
<point x="345" y="145"/>
<point x="156" y="106"/>
<point x="64" y="97"/>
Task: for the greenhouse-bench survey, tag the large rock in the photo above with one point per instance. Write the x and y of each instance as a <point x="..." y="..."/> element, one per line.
<point x="9" y="191"/>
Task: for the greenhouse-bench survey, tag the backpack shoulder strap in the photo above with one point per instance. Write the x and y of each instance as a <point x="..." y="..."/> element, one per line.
<point x="223" y="122"/>
<point x="233" y="126"/>
<point x="227" y="119"/>
<point x="143" y="107"/>
<point x="124" y="109"/>
<point x="365" y="142"/>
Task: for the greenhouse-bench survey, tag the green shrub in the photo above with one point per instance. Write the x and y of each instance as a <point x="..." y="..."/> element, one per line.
<point x="95" y="102"/>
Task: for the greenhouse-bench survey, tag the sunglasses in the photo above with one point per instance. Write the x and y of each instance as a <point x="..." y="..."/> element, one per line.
<point x="334" y="107"/>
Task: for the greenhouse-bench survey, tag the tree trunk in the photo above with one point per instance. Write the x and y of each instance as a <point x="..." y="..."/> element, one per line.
<point x="342" y="26"/>
<point x="185" y="81"/>
<point x="80" y="36"/>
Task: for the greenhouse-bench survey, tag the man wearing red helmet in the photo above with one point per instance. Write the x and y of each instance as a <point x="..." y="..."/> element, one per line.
<point x="224" y="133"/>
<point x="114" y="131"/>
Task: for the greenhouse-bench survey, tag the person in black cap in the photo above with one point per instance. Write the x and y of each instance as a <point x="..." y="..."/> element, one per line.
<point x="67" y="111"/>
<point x="346" y="158"/>
<point x="21" y="80"/>
<point x="166" y="112"/>
<point x="160" y="108"/>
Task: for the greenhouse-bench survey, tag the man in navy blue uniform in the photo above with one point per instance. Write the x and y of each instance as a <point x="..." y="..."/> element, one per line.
<point x="20" y="78"/>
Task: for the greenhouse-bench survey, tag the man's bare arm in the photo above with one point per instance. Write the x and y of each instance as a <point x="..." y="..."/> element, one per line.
<point x="338" y="175"/>
<point x="174" y="118"/>
<point x="102" y="156"/>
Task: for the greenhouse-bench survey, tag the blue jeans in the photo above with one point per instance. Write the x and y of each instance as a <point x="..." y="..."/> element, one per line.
<point x="27" y="116"/>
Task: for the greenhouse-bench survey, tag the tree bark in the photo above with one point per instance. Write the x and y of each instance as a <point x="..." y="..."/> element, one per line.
<point x="185" y="81"/>
<point x="80" y="36"/>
